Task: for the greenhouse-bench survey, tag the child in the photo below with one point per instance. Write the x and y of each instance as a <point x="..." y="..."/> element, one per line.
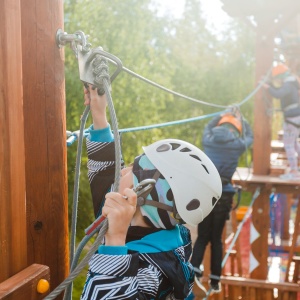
<point x="146" y="249"/>
<point x="287" y="91"/>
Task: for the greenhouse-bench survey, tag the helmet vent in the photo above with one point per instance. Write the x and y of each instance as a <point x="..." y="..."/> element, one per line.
<point x="185" y="150"/>
<point x="170" y="195"/>
<point x="193" y="204"/>
<point x="214" y="200"/>
<point x="163" y="148"/>
<point x="204" y="167"/>
<point x="196" y="157"/>
<point x="175" y="146"/>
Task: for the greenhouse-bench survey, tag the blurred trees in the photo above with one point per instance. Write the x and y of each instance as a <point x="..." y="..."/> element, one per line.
<point x="179" y="54"/>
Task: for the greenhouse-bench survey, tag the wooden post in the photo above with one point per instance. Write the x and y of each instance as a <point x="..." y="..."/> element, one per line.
<point x="13" y="252"/>
<point x="261" y="151"/>
<point x="262" y="118"/>
<point x="45" y="137"/>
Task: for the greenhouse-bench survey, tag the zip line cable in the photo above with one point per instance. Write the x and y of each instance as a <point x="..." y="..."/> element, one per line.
<point x="170" y="91"/>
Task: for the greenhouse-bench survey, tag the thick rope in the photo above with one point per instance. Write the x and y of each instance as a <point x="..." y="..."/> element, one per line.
<point x="82" y="263"/>
<point x="76" y="190"/>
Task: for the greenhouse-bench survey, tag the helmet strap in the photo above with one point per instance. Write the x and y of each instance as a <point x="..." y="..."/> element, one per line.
<point x="143" y="201"/>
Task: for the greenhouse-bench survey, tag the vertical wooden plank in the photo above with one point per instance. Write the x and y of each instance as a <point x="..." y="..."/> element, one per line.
<point x="261" y="149"/>
<point x="294" y="242"/>
<point x="252" y="293"/>
<point x="245" y="293"/>
<point x="268" y="294"/>
<point x="260" y="223"/>
<point x="286" y="205"/>
<point x="13" y="254"/>
<point x="45" y="136"/>
<point x="262" y="119"/>
<point x="237" y="244"/>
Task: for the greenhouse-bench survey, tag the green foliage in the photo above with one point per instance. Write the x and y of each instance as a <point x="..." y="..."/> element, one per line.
<point x="179" y="54"/>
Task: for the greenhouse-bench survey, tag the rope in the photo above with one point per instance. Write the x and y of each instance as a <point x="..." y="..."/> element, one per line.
<point x="80" y="247"/>
<point x="76" y="189"/>
<point x="74" y="135"/>
<point x="82" y="263"/>
<point x="132" y="129"/>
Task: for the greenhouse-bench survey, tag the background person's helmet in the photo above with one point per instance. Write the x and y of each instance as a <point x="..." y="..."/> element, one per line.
<point x="231" y="119"/>
<point x="279" y="70"/>
<point x="195" y="182"/>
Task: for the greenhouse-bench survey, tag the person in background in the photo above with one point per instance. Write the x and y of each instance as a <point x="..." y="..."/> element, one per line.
<point x="286" y="89"/>
<point x="146" y="249"/>
<point x="225" y="139"/>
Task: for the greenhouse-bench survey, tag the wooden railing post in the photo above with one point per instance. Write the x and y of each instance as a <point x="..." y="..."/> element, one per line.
<point x="45" y="136"/>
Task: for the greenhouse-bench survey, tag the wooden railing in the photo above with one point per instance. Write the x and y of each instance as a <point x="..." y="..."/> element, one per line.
<point x="239" y="288"/>
<point x="31" y="283"/>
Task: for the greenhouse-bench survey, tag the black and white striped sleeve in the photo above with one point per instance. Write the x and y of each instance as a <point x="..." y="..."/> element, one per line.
<point x="101" y="171"/>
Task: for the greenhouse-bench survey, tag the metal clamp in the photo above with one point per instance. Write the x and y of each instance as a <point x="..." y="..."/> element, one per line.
<point x="85" y="59"/>
<point x="84" y="53"/>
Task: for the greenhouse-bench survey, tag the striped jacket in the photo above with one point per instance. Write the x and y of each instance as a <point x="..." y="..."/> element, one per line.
<point x="152" y="265"/>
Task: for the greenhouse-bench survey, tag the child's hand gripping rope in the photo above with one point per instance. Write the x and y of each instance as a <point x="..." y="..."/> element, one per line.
<point x="142" y="190"/>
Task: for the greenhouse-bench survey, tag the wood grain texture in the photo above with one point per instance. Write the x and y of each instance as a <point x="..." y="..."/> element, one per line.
<point x="13" y="252"/>
<point x="45" y="136"/>
<point x="262" y="120"/>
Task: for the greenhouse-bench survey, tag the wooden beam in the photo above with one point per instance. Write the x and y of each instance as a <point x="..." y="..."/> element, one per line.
<point x="13" y="252"/>
<point x="262" y="120"/>
<point x="263" y="284"/>
<point x="23" y="285"/>
<point x="250" y="181"/>
<point x="45" y="136"/>
<point x="289" y="12"/>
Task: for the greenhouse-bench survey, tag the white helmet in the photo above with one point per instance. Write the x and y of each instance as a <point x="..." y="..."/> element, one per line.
<point x="192" y="176"/>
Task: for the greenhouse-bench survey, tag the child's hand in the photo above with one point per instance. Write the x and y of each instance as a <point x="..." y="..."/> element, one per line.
<point x="119" y="212"/>
<point x="87" y="98"/>
<point x="97" y="105"/>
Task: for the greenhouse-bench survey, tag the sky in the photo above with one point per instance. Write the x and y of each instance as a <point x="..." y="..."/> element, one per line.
<point x="212" y="10"/>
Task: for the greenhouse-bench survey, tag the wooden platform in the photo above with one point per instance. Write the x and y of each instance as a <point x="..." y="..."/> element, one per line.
<point x="250" y="181"/>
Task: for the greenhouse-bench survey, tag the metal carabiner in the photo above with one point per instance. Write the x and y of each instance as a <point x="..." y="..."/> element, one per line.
<point x="142" y="190"/>
<point x="144" y="187"/>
